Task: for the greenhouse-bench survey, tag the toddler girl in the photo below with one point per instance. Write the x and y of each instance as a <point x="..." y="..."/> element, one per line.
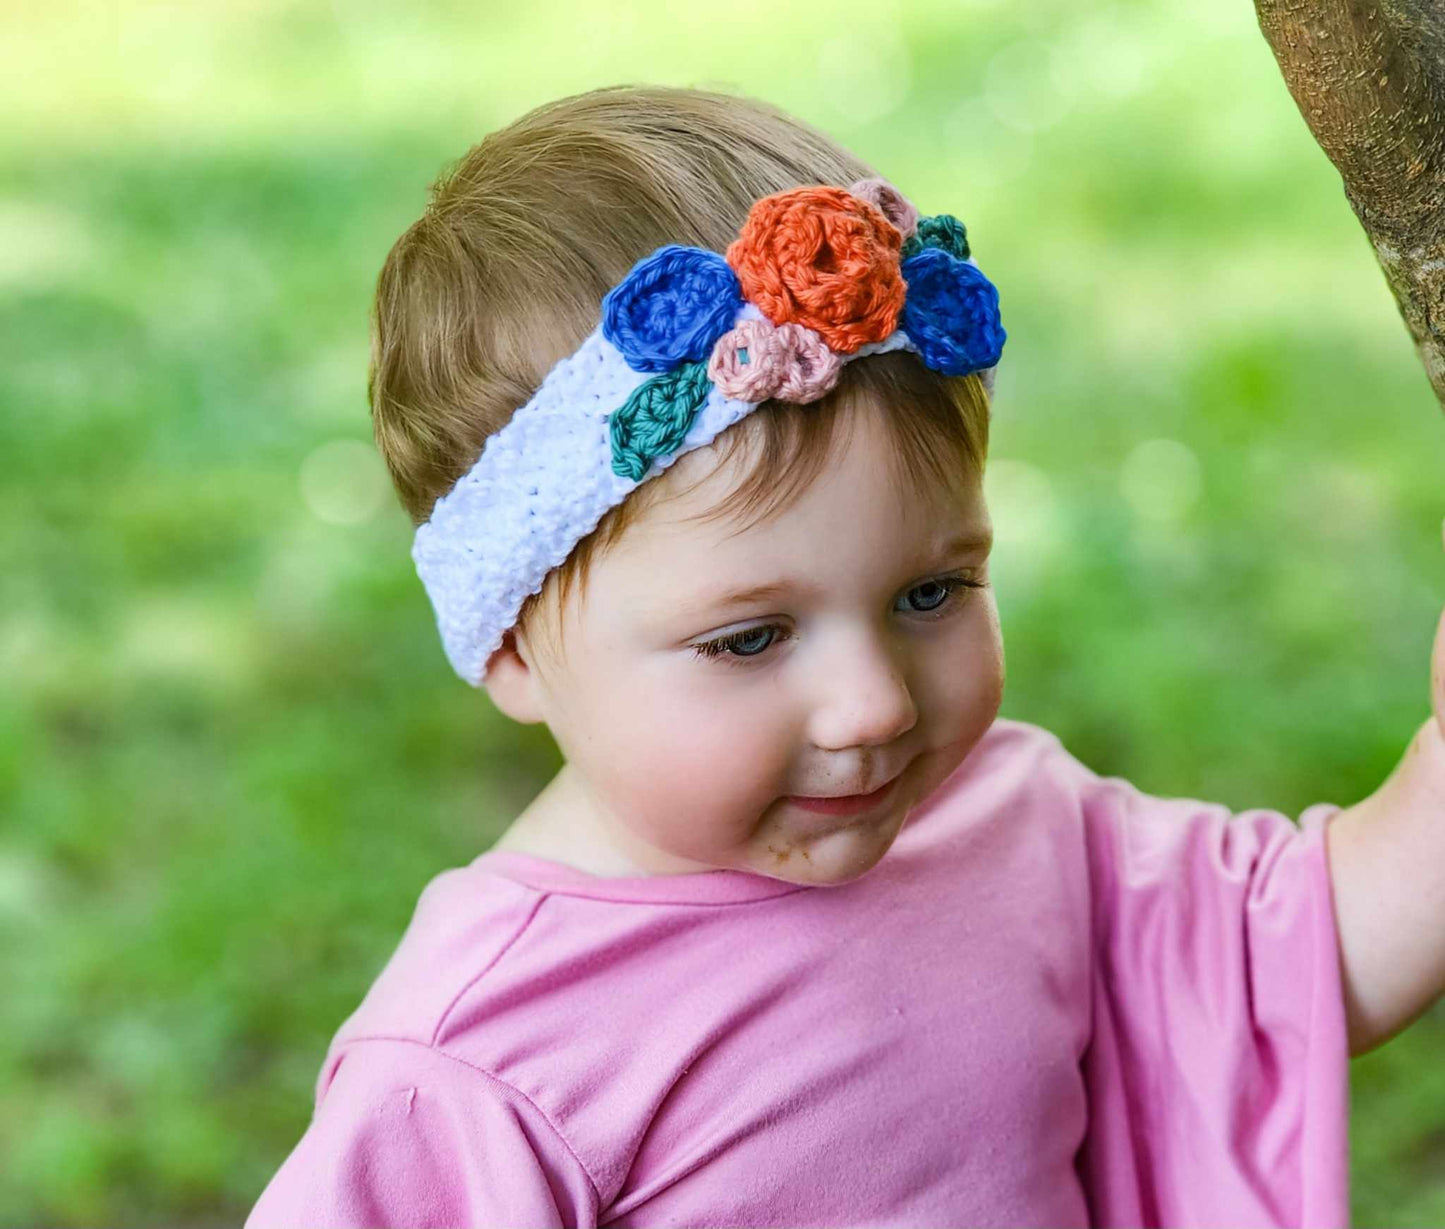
<point x="802" y="932"/>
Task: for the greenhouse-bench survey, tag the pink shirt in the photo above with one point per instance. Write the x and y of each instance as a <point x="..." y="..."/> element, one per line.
<point x="1056" y="1001"/>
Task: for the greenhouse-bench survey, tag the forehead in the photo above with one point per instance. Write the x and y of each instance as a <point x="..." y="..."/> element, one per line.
<point x="862" y="501"/>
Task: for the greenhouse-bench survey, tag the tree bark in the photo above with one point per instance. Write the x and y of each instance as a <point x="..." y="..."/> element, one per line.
<point x="1369" y="79"/>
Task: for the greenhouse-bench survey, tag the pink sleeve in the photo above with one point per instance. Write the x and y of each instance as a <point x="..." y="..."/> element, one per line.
<point x="406" y="1135"/>
<point x="1218" y="1072"/>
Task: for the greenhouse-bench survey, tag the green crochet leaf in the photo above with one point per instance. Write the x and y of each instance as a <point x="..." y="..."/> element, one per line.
<point x="941" y="231"/>
<point x="656" y="418"/>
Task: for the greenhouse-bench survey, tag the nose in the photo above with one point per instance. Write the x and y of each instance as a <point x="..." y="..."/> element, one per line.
<point x="863" y="696"/>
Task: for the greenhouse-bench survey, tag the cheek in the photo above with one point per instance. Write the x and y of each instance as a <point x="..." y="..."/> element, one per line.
<point x="707" y="755"/>
<point x="964" y="687"/>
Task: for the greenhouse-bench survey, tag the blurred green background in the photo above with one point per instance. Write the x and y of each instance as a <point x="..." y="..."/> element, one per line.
<point x="231" y="750"/>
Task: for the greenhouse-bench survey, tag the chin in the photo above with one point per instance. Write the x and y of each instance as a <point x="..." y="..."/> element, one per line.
<point x="831" y="859"/>
<point x="806" y="876"/>
<point x="838" y="877"/>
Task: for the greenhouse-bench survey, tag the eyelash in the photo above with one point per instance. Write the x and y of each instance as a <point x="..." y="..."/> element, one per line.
<point x="722" y="646"/>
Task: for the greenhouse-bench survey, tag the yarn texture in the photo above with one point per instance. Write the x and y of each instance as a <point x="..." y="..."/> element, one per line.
<point x="940" y="231"/>
<point x="655" y="418"/>
<point x="688" y="343"/>
<point x="825" y="259"/>
<point x="896" y="207"/>
<point x="671" y="307"/>
<point x="806" y="368"/>
<point x="951" y="313"/>
<point x="541" y="484"/>
<point x="743" y="363"/>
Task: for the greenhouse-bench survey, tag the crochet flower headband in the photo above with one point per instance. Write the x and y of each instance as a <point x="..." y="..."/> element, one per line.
<point x="689" y="343"/>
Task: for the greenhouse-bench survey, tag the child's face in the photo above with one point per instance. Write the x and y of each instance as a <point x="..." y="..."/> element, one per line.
<point x="861" y="671"/>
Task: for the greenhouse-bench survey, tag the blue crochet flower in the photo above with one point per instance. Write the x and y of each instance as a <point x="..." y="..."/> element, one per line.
<point x="671" y="307"/>
<point x="951" y="313"/>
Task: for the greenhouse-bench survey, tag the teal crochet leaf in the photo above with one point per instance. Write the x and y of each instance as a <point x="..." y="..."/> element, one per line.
<point x="940" y="231"/>
<point x="656" y="418"/>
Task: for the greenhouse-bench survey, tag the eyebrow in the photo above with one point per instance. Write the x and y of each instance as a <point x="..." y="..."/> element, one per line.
<point x="975" y="540"/>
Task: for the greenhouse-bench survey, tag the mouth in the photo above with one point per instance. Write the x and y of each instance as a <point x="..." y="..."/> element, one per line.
<point x="848" y="804"/>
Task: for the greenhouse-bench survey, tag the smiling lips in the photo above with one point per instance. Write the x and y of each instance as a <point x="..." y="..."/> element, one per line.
<point x="849" y="804"/>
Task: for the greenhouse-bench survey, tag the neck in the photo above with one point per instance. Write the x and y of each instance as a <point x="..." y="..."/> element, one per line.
<point x="561" y="825"/>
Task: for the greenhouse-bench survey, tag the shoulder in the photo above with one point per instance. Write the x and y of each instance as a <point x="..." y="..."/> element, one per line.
<point x="1010" y="812"/>
<point x="1016" y="766"/>
<point x="1030" y="770"/>
<point x="405" y="1134"/>
<point x="1017" y="750"/>
<point x="465" y="921"/>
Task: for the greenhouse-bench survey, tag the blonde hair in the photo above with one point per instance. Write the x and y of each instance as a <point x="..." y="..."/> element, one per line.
<point x="504" y="274"/>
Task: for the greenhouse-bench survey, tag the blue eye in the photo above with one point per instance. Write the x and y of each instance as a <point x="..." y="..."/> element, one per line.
<point x="943" y="592"/>
<point x="755" y="641"/>
<point x="739" y="643"/>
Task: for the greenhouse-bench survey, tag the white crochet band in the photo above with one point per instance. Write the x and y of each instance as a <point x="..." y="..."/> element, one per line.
<point x="542" y="484"/>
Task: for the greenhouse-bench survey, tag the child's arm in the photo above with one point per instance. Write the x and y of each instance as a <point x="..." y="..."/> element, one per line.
<point x="404" y="1134"/>
<point x="1387" y="869"/>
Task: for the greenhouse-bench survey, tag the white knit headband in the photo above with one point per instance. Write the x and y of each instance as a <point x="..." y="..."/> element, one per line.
<point x="689" y="343"/>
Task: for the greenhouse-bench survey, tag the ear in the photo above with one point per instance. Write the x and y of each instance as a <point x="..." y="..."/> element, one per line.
<point x="512" y="683"/>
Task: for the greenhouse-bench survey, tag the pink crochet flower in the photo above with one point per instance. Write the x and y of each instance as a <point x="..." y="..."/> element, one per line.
<point x="755" y="362"/>
<point x="896" y="207"/>
<point x="807" y="368"/>
<point x="743" y="363"/>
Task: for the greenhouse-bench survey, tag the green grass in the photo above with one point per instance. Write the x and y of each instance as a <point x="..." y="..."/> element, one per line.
<point x="231" y="751"/>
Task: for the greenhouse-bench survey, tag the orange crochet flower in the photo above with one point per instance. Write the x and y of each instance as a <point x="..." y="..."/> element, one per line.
<point x="825" y="259"/>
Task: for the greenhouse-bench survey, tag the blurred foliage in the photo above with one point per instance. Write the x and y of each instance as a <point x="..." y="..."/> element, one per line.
<point x="231" y="751"/>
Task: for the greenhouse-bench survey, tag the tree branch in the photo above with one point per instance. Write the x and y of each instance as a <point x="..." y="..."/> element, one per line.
<point x="1369" y="79"/>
